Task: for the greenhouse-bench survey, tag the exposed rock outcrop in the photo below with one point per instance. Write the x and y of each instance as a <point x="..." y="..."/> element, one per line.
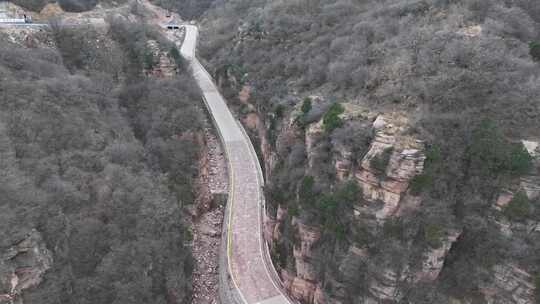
<point x="303" y="284"/>
<point x="385" y="196"/>
<point x="388" y="187"/>
<point x="531" y="183"/>
<point x="308" y="236"/>
<point x="385" y="286"/>
<point x="344" y="162"/>
<point x="23" y="266"/>
<point x="313" y="134"/>
<point x="433" y="260"/>
<point x="406" y="161"/>
<point x="512" y="283"/>
<point x="301" y="289"/>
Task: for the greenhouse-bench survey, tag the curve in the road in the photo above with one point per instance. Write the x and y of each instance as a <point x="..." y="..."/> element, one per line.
<point x="250" y="269"/>
<point x="249" y="265"/>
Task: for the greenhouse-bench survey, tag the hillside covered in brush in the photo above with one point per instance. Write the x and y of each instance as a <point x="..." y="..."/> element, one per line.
<point x="400" y="143"/>
<point x="98" y="152"/>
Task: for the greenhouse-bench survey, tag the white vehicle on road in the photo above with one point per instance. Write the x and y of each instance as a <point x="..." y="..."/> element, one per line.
<point x="26" y="19"/>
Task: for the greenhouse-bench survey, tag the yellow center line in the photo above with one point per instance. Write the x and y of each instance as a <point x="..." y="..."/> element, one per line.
<point x="229" y="224"/>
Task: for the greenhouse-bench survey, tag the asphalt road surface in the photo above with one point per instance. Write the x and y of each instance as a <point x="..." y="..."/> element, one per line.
<point x="246" y="253"/>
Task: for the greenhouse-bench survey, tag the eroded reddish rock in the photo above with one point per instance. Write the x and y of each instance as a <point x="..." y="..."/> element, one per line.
<point x="303" y="284"/>
<point x="303" y="290"/>
<point x="304" y="269"/>
<point x="318" y="297"/>
<point x="269" y="226"/>
<point x="23" y="266"/>
<point x="504" y="198"/>
<point x="385" y="286"/>
<point x="308" y="236"/>
<point x="406" y="161"/>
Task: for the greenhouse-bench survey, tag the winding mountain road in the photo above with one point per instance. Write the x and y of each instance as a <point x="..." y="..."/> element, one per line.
<point x="250" y="270"/>
<point x="250" y="267"/>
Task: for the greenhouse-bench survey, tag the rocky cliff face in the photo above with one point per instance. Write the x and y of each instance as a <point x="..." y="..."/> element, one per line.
<point x="386" y="197"/>
<point x="510" y="282"/>
<point x="384" y="191"/>
<point x="23" y="266"/>
<point x="303" y="283"/>
<point x="406" y="160"/>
